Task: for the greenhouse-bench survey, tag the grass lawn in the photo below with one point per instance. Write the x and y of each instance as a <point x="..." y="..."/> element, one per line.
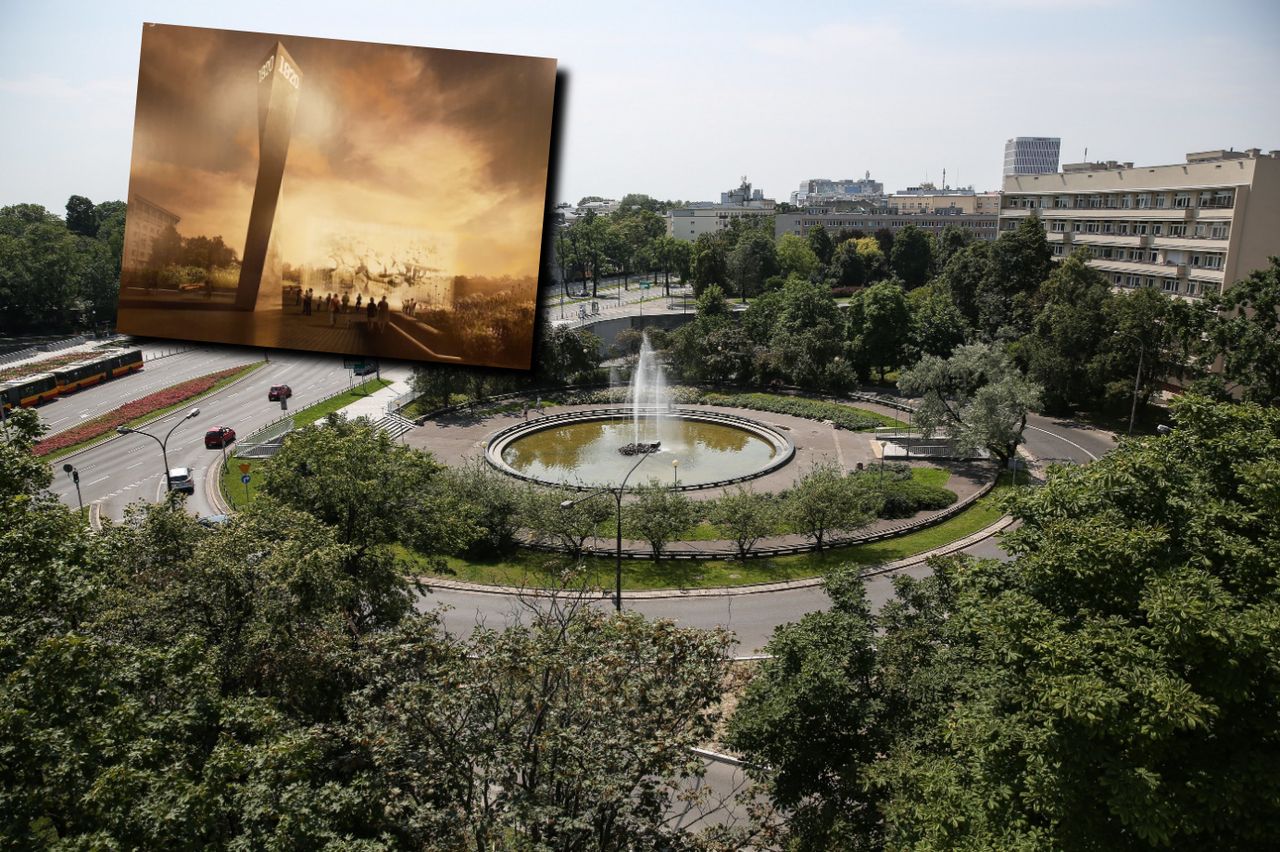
<point x="321" y="410"/>
<point x="234" y="490"/>
<point x="530" y="568"/>
<point x="154" y="415"/>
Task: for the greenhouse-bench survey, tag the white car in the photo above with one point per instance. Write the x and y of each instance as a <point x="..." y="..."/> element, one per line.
<point x="180" y="480"/>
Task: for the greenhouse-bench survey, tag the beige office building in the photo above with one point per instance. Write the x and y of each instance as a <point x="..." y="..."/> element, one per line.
<point x="945" y="201"/>
<point x="1190" y="229"/>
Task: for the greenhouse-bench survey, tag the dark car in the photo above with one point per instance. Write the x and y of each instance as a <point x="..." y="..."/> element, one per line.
<point x="366" y="368"/>
<point x="214" y="521"/>
<point x="218" y="437"/>
<point x="279" y="392"/>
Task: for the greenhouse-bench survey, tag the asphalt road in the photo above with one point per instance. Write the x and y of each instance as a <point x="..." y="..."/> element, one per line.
<point x="130" y="467"/>
<point x="158" y="374"/>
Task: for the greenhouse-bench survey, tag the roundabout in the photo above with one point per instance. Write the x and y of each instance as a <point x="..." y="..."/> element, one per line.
<point x="588" y="450"/>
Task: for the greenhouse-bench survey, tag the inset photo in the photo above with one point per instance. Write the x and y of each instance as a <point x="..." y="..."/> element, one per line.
<point x="337" y="196"/>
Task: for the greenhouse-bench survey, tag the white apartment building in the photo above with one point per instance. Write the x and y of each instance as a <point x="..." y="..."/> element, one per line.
<point x="1190" y="229"/>
<point x="689" y="223"/>
<point x="1031" y="155"/>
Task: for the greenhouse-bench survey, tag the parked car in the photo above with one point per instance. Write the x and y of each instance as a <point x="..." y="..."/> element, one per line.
<point x="365" y="369"/>
<point x="218" y="437"/>
<point x="279" y="392"/>
<point x="180" y="480"/>
<point x="214" y="521"/>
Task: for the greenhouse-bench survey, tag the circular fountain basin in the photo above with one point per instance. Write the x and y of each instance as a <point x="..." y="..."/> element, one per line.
<point x="580" y="449"/>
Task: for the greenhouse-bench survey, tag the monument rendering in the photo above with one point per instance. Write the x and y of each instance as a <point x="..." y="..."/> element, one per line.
<point x="389" y="201"/>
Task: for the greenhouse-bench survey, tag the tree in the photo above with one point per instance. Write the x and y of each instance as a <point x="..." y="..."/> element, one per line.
<point x="710" y="262"/>
<point x="81" y="216"/>
<point x="880" y="326"/>
<point x="434" y="384"/>
<point x="821" y="244"/>
<point x="1245" y="334"/>
<point x="937" y="326"/>
<point x="808" y="334"/>
<point x="795" y="257"/>
<point x="952" y="240"/>
<point x="566" y="356"/>
<point x="753" y="262"/>
<point x="884" y="238"/>
<point x="744" y="517"/>
<point x="569" y="527"/>
<point x="489" y="502"/>
<point x="824" y="500"/>
<point x="976" y="397"/>
<point x="813" y="716"/>
<point x="659" y="514"/>
<point x="911" y="257"/>
<point x="374" y="494"/>
<point x="874" y="259"/>
<point x="848" y="266"/>
<point x="1068" y="333"/>
<point x="965" y="275"/>
<point x="1021" y="261"/>
<point x="1105" y="690"/>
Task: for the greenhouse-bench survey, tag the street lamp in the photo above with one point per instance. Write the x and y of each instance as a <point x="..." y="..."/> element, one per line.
<point x="675" y="472"/>
<point x="71" y="471"/>
<point x="1137" y="378"/>
<point x="164" y="445"/>
<point x="617" y="495"/>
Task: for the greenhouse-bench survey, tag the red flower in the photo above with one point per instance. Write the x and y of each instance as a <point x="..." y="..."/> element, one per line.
<point x="130" y="411"/>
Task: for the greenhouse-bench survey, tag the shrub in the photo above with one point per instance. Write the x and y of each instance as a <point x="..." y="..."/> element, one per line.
<point x="903" y="498"/>
<point x="844" y="416"/>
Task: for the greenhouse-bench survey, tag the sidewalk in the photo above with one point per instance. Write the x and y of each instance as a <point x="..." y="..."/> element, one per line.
<point x="374" y="406"/>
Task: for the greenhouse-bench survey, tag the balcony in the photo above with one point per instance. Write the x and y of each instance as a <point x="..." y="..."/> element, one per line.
<point x="1190" y="243"/>
<point x="1135" y="267"/>
<point x="1200" y="273"/>
<point x="1134" y="241"/>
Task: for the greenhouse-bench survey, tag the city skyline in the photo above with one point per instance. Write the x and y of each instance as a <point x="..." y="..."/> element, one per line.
<point x="678" y="102"/>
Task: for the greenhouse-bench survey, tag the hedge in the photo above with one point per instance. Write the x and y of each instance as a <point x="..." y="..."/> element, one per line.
<point x="844" y="416"/>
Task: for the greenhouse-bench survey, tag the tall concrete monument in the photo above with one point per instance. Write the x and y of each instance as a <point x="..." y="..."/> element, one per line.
<point x="279" y="84"/>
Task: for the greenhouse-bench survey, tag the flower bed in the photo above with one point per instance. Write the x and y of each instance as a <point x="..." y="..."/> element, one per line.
<point x="131" y="411"/>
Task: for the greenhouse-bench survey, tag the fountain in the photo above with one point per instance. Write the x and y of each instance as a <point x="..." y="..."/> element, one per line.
<point x="649" y="403"/>
<point x="591" y="449"/>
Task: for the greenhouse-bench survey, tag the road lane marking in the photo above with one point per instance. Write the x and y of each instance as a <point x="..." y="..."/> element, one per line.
<point x="96" y="481"/>
<point x="132" y="466"/>
<point x="1065" y="440"/>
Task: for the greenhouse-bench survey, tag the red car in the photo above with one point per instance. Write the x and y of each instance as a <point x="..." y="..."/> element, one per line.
<point x="218" y="437"/>
<point x="279" y="392"/>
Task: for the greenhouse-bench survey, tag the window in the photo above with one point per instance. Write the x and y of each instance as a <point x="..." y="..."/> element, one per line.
<point x="1169" y="285"/>
<point x="1177" y="230"/>
<point x="1108" y="227"/>
<point x="1217" y="232"/>
<point x="1182" y="199"/>
<point x="1157" y="229"/>
<point x="1213" y="261"/>
<point x="1144" y="201"/>
<point x="1200" y="229"/>
<point x="1162" y="200"/>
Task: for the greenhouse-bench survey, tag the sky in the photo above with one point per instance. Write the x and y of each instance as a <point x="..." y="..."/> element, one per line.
<point x="392" y="152"/>
<point x="680" y="100"/>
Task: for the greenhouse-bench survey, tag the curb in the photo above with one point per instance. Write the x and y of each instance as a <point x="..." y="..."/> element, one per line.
<point x="213" y="489"/>
<point x="113" y="435"/>
<point x="729" y="591"/>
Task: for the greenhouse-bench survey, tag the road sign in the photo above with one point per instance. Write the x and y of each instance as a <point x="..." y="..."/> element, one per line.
<point x="244" y="468"/>
<point x="245" y="479"/>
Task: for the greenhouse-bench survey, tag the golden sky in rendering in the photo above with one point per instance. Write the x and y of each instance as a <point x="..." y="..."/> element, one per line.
<point x="391" y="146"/>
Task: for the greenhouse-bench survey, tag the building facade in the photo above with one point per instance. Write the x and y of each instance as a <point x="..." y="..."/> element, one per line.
<point x="983" y="225"/>
<point x="1189" y="229"/>
<point x="145" y="222"/>
<point x="706" y="217"/>
<point x="929" y="199"/>
<point x="1031" y="155"/>
<point x="818" y="190"/>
